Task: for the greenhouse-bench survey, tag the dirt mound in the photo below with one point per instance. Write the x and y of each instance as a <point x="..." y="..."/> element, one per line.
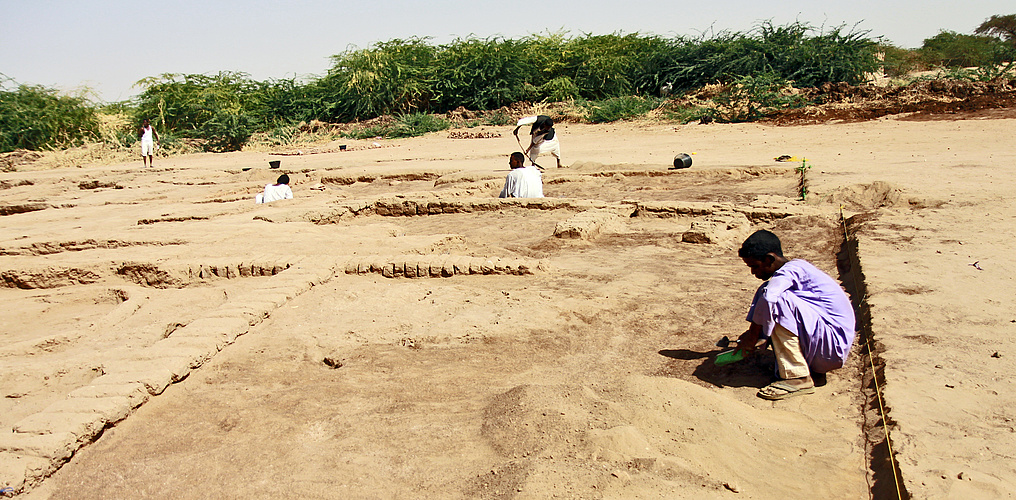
<point x="878" y="194"/>
<point x="9" y="161"/>
<point x="844" y="102"/>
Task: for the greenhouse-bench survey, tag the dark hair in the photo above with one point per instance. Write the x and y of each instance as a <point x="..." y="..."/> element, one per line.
<point x="519" y="156"/>
<point x="760" y="244"/>
<point x="283" y="179"/>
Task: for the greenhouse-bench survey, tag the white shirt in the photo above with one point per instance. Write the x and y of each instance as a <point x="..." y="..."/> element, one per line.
<point x="524" y="182"/>
<point x="276" y="192"/>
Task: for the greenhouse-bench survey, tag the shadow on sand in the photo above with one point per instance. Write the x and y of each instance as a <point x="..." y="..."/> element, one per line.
<point x="756" y="371"/>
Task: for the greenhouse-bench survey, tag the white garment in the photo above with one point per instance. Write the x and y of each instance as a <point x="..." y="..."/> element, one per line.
<point x="541" y="146"/>
<point x="147" y="144"/>
<point x="524" y="182"/>
<point x="538" y="145"/>
<point x="275" y="192"/>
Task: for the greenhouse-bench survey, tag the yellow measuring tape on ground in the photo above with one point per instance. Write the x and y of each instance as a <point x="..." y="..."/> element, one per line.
<point x="874" y="374"/>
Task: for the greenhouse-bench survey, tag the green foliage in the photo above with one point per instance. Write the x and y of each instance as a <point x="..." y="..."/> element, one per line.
<point x="620" y="108"/>
<point x="390" y="77"/>
<point x="226" y="131"/>
<point x="951" y="49"/>
<point x="222" y="109"/>
<point x="685" y="114"/>
<point x="752" y="97"/>
<point x="482" y="74"/>
<point x="899" y="62"/>
<point x="790" y="52"/>
<point x="802" y="183"/>
<point x="616" y="76"/>
<point x="407" y="125"/>
<point x="1003" y="27"/>
<point x="35" y="117"/>
<point x="560" y="89"/>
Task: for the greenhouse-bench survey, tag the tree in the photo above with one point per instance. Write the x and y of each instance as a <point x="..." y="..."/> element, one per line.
<point x="1003" y="27"/>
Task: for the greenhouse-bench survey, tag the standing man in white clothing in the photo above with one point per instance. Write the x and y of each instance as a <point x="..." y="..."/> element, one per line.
<point x="147" y="133"/>
<point x="522" y="181"/>
<point x="543" y="138"/>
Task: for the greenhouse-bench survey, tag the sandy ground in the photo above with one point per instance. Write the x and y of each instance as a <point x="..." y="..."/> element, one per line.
<point x="575" y="368"/>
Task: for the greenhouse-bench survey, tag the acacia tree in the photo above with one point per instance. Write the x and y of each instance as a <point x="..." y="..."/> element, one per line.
<point x="1003" y="27"/>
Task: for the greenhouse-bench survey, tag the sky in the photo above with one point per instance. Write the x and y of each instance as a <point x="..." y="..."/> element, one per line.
<point x="108" y="45"/>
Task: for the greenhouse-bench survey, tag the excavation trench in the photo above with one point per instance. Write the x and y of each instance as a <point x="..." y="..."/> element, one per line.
<point x="884" y="477"/>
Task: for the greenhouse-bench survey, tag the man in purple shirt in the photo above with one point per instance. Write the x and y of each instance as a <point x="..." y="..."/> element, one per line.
<point x="804" y="311"/>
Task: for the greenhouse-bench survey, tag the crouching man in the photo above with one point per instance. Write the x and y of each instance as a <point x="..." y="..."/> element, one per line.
<point x="802" y="309"/>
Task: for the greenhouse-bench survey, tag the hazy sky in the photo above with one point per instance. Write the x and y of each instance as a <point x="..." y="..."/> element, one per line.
<point x="108" y="45"/>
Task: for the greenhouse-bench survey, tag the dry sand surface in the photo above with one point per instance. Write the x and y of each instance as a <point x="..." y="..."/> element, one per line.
<point x="395" y="331"/>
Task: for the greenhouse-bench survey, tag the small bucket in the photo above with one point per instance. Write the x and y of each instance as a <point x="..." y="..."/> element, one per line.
<point x="276" y="163"/>
<point x="682" y="160"/>
<point x="342" y="147"/>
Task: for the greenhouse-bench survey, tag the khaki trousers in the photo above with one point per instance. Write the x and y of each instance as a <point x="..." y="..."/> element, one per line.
<point x="790" y="362"/>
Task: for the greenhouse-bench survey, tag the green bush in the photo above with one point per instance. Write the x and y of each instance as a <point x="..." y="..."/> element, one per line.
<point x="560" y="89"/>
<point x="410" y="78"/>
<point x="226" y="131"/>
<point x="792" y="52"/>
<point x="752" y="97"/>
<point x="899" y="62"/>
<point x="390" y="77"/>
<point x="951" y="49"/>
<point x="619" y="108"/>
<point x="407" y="125"/>
<point x="482" y="74"/>
<point x="36" y="117"/>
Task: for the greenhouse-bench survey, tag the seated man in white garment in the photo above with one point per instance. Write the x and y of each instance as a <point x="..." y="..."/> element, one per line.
<point x="522" y="181"/>
<point x="274" y="192"/>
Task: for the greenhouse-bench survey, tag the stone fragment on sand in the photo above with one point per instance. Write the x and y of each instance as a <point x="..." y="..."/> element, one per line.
<point x="475" y="264"/>
<point x="134" y="393"/>
<point x="487" y="266"/>
<point x="53" y="446"/>
<point x="112" y="409"/>
<point x="225" y="328"/>
<point x="584" y="225"/>
<point x="155" y="380"/>
<point x="500" y="266"/>
<point x="726" y="228"/>
<point x="84" y="426"/>
<point x="437" y="267"/>
<point x="18" y="471"/>
<point x="178" y="366"/>
<point x="460" y="264"/>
